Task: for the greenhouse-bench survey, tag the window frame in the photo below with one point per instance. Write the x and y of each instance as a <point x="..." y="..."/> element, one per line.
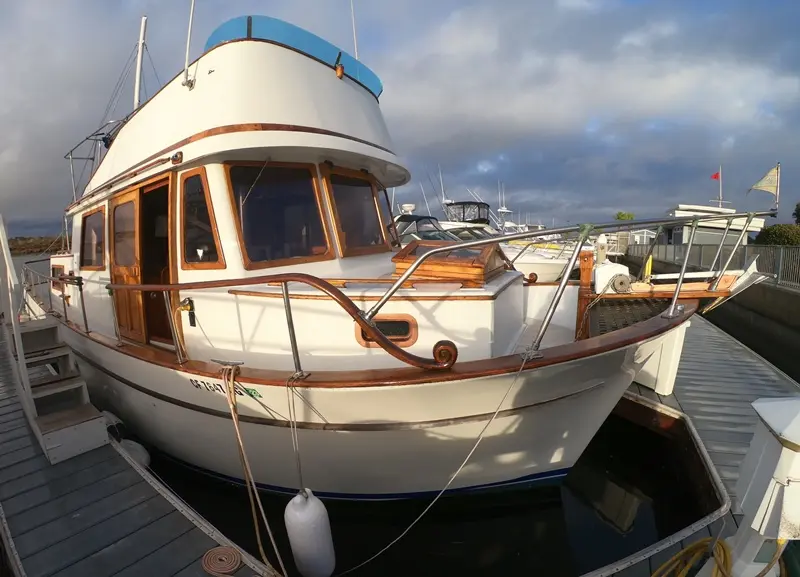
<point x="326" y="170"/>
<point x="219" y="264"/>
<point x="101" y="209"/>
<point x="329" y="253"/>
<point x="57" y="285"/>
<point x="402" y="342"/>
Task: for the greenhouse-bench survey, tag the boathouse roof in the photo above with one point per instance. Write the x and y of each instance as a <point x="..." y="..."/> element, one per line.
<point x="295" y="38"/>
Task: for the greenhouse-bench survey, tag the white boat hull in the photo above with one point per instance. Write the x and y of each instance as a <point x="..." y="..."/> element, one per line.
<point x="370" y="442"/>
<point x="546" y="270"/>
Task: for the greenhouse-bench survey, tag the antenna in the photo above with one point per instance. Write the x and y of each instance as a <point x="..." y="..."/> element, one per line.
<point x="441" y="184"/>
<point x="353" y="19"/>
<point x="186" y="81"/>
<point x="425" y="198"/>
<point x="137" y="83"/>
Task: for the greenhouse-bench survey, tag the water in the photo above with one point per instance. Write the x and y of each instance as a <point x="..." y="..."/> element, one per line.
<point x="630" y="489"/>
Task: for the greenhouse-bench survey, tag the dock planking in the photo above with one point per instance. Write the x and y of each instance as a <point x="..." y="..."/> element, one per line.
<point x="718" y="378"/>
<point x="94" y="514"/>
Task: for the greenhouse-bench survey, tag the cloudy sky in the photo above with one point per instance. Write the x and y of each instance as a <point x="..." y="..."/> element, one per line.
<point x="581" y="107"/>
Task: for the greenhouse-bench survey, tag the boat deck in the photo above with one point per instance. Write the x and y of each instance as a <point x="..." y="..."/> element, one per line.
<point x="718" y="378"/>
<point x="95" y="514"/>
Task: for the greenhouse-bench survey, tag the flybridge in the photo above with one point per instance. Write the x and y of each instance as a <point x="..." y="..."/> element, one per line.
<point x="295" y="38"/>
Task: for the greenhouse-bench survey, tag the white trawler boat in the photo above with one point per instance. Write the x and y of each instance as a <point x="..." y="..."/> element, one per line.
<point x="240" y="215"/>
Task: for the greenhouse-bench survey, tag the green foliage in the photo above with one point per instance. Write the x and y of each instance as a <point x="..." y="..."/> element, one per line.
<point x="622" y="215"/>
<point x="779" y="234"/>
<point x="796" y="213"/>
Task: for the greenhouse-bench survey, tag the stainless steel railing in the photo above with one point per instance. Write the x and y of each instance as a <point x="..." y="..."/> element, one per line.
<point x="582" y="231"/>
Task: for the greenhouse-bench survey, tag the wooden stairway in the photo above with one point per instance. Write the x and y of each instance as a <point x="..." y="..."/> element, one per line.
<point x="65" y="421"/>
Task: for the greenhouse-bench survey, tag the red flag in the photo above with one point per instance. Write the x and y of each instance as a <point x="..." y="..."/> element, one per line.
<point x="715" y="176"/>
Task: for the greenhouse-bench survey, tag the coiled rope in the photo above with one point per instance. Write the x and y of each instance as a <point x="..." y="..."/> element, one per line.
<point x="682" y="562"/>
<point x="229" y="377"/>
<point x="222" y="561"/>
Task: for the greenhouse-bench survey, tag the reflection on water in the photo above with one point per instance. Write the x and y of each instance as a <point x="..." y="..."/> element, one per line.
<point x="629" y="490"/>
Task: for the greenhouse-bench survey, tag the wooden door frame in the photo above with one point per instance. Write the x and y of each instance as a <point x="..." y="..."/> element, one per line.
<point x="139" y="190"/>
<point x="119" y="199"/>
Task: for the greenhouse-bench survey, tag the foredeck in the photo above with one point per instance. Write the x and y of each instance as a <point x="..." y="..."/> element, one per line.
<point x="95" y="514"/>
<point x="718" y="378"/>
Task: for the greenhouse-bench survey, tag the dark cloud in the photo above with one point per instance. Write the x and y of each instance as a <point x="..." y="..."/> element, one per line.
<point x="581" y="107"/>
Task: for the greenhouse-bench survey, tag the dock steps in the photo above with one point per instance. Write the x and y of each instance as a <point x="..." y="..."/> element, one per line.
<point x="65" y="422"/>
<point x="57" y="386"/>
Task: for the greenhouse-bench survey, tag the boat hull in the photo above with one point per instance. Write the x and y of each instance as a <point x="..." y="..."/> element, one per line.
<point x="384" y="442"/>
<point x="546" y="270"/>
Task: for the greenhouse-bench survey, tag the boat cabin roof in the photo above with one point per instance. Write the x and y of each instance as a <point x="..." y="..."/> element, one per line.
<point x="467" y="211"/>
<point x="295" y="38"/>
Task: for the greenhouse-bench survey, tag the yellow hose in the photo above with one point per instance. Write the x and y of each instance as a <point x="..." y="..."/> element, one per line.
<point x="682" y="562"/>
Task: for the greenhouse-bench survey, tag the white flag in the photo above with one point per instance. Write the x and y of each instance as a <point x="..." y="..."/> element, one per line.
<point x="770" y="181"/>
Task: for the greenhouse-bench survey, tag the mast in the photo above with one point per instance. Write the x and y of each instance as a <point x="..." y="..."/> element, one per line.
<point x="186" y="81"/>
<point x="777" y="185"/>
<point x="425" y="198"/>
<point x="353" y="20"/>
<point x="441" y="184"/>
<point x="137" y="84"/>
<point x="720" y="186"/>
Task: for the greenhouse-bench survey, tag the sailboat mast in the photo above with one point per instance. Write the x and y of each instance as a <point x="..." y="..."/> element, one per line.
<point x="777" y="185"/>
<point x="720" y="185"/>
<point x="137" y="84"/>
<point x="353" y="20"/>
<point x="441" y="184"/>
<point x="425" y="198"/>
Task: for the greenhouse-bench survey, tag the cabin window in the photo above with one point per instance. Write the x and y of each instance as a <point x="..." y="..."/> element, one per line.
<point x="125" y="234"/>
<point x="278" y="214"/>
<point x="56" y="271"/>
<point x="386" y="217"/>
<point x="402" y="330"/>
<point x="93" y="233"/>
<point x="200" y="240"/>
<point x="356" y="208"/>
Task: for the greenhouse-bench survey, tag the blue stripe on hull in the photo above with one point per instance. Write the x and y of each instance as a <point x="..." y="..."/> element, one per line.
<point x="550" y="477"/>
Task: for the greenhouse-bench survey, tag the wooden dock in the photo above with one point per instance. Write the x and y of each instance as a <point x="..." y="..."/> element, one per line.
<point x="718" y="378"/>
<point x="97" y="514"/>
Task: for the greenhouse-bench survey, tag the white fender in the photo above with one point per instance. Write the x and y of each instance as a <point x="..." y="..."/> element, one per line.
<point x="309" y="531"/>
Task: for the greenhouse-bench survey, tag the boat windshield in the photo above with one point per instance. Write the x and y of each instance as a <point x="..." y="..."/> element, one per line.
<point x="422" y="228"/>
<point x="358" y="213"/>
<point x="278" y="214"/>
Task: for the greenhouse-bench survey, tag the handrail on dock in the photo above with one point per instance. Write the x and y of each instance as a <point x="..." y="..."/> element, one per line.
<point x="445" y="352"/>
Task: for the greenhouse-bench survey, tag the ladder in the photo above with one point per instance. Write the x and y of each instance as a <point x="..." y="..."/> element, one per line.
<point x="63" y="418"/>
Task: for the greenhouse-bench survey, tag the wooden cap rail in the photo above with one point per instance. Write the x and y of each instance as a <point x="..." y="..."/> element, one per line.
<point x="445" y="353"/>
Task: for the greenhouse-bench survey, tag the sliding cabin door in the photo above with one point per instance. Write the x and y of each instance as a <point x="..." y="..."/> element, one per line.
<point x="126" y="264"/>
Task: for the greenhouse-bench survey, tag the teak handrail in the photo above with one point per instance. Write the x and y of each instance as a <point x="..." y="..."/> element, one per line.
<point x="445" y="352"/>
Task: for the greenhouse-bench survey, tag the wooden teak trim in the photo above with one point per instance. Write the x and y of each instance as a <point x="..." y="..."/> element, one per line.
<point x="327" y="170"/>
<point x="220" y="262"/>
<point x="508" y="364"/>
<point x="153" y="160"/>
<point x="312" y="174"/>
<point x="360" y="298"/>
<point x="584" y="294"/>
<point x="106" y="248"/>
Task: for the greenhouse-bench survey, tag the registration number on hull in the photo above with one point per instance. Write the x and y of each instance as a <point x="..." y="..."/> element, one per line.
<point x="220" y="389"/>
